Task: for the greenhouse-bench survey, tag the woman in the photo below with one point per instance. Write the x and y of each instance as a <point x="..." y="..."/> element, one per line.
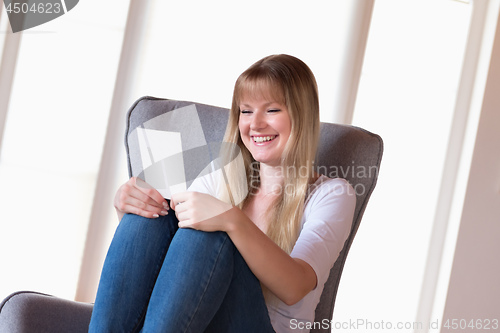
<point x="208" y="266"/>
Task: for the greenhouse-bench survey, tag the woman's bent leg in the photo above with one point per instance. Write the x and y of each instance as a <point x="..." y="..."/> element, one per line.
<point x="130" y="270"/>
<point x="192" y="283"/>
<point x="244" y="308"/>
<point x="204" y="278"/>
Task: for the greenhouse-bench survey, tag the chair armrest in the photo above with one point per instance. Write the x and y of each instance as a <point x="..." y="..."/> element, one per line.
<point x="25" y="311"/>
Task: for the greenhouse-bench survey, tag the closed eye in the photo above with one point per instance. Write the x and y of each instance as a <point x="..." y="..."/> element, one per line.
<point x="273" y="110"/>
<point x="245" y="111"/>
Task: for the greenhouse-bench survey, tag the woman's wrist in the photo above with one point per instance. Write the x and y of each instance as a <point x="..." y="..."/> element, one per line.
<point x="236" y="222"/>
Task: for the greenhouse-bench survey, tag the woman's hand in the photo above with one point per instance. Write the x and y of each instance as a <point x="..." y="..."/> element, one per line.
<point x="138" y="197"/>
<point x="200" y="211"/>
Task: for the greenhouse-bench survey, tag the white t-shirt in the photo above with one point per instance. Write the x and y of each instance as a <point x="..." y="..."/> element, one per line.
<point x="326" y="223"/>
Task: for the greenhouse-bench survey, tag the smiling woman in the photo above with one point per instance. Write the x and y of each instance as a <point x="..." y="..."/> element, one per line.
<point x="256" y="262"/>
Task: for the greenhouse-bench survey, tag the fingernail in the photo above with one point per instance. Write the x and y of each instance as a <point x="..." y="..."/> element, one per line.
<point x="164" y="212"/>
<point x="156" y="215"/>
<point x="165" y="205"/>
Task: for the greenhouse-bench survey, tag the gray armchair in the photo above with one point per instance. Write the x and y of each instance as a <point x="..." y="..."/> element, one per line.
<point x="345" y="151"/>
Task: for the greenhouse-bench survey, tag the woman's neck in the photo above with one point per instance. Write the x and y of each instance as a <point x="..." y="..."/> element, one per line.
<point x="271" y="179"/>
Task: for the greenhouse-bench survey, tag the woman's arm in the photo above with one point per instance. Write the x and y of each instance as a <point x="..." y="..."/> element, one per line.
<point x="288" y="278"/>
<point x="138" y="197"/>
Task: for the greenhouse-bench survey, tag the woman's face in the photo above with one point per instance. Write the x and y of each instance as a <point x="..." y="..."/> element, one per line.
<point x="265" y="127"/>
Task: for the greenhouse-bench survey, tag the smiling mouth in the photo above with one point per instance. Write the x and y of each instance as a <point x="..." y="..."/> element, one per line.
<point x="261" y="139"/>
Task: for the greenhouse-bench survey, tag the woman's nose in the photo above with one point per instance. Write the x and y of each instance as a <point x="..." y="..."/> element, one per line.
<point x="258" y="122"/>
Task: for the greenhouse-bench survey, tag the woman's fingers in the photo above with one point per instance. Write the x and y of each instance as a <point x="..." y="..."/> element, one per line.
<point x="180" y="197"/>
<point x="177" y="201"/>
<point x="195" y="208"/>
<point x="138" y="197"/>
<point x="137" y="211"/>
<point x="149" y="191"/>
<point x="143" y="206"/>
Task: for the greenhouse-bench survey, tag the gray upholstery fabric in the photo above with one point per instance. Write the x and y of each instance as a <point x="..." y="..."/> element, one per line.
<point x="29" y="312"/>
<point x="345" y="151"/>
<point x="354" y="154"/>
<point x="213" y="121"/>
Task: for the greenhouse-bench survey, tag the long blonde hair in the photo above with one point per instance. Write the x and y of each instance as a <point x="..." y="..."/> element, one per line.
<point x="288" y="80"/>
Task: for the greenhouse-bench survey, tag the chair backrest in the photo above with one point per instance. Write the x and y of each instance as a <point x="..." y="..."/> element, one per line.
<point x="345" y="151"/>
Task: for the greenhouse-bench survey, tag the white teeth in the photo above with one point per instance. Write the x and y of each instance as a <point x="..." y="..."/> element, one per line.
<point x="259" y="139"/>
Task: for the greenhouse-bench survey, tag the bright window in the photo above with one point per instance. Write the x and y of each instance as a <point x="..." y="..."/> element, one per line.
<point x="195" y="50"/>
<point x="52" y="146"/>
<point x="407" y="95"/>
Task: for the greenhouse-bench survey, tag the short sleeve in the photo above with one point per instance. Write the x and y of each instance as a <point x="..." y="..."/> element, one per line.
<point x="208" y="183"/>
<point x="212" y="181"/>
<point x="326" y="225"/>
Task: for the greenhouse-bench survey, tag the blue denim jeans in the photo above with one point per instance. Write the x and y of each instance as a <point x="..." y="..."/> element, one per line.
<point x="159" y="278"/>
